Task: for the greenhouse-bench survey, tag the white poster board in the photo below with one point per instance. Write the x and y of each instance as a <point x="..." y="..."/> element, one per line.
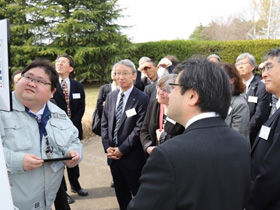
<point x="5" y="93"/>
<point x="6" y="201"/>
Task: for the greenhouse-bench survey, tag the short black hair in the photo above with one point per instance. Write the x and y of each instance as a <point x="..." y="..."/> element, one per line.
<point x="209" y="81"/>
<point x="48" y="68"/>
<point x="273" y="53"/>
<point x="71" y="61"/>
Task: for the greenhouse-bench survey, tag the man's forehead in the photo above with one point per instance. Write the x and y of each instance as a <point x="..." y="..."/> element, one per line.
<point x="37" y="72"/>
<point x="62" y="58"/>
<point x="270" y="61"/>
<point x="244" y="59"/>
<point x="122" y="67"/>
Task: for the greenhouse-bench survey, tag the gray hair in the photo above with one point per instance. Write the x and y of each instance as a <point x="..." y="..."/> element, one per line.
<point x="127" y="63"/>
<point x="249" y="56"/>
<point x="165" y="79"/>
<point x="144" y="58"/>
<point x="214" y="56"/>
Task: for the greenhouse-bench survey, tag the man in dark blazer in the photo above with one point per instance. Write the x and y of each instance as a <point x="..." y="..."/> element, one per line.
<point x="138" y="81"/>
<point x="64" y="66"/>
<point x="151" y="90"/>
<point x="265" y="188"/>
<point x="123" y="146"/>
<point x="258" y="99"/>
<point x="208" y="166"/>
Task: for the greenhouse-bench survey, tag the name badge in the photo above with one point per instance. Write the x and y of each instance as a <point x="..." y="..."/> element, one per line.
<point x="264" y="133"/>
<point x="130" y="112"/>
<point x="253" y="99"/>
<point x="170" y="120"/>
<point x="57" y="165"/>
<point x="76" y="95"/>
<point x="229" y="110"/>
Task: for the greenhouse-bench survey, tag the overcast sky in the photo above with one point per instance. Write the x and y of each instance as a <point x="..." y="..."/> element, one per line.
<point x="154" y="20"/>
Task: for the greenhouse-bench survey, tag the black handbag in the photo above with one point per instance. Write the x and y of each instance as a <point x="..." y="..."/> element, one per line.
<point x="96" y="122"/>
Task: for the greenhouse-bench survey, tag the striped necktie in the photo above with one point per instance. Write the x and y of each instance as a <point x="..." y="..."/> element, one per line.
<point x="66" y="96"/>
<point x="118" y="119"/>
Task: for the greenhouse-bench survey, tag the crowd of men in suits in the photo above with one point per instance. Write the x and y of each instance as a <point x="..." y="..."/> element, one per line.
<point x="209" y="165"/>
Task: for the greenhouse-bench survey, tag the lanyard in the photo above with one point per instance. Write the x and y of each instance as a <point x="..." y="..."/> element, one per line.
<point x="42" y="129"/>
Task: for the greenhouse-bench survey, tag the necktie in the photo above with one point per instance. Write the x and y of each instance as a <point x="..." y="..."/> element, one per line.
<point x="118" y="119"/>
<point x="66" y="96"/>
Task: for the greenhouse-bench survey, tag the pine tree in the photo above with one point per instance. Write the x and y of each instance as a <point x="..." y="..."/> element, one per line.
<point x="87" y="31"/>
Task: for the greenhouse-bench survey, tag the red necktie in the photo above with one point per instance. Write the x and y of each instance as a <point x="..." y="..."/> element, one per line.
<point x="66" y="96"/>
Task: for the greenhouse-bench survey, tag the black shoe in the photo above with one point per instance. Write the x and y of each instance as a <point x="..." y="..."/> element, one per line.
<point x="69" y="199"/>
<point x="80" y="192"/>
<point x="112" y="184"/>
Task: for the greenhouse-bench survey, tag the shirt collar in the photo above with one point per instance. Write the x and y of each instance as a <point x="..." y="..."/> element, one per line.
<point x="39" y="113"/>
<point x="67" y="80"/>
<point x="278" y="103"/>
<point x="201" y="116"/>
<point x="248" y="82"/>
<point x="127" y="92"/>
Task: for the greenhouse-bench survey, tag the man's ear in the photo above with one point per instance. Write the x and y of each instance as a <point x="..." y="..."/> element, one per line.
<point x="193" y="97"/>
<point x="53" y="92"/>
<point x="71" y="69"/>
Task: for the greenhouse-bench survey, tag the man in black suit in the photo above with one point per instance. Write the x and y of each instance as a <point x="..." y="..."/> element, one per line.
<point x="259" y="101"/>
<point x="64" y="66"/>
<point x="265" y="188"/>
<point x="122" y="117"/>
<point x="208" y="166"/>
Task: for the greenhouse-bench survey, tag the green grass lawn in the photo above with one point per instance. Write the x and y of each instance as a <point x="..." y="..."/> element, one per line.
<point x="91" y="91"/>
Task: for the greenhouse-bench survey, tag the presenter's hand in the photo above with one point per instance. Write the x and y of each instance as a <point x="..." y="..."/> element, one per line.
<point x="31" y="162"/>
<point x="75" y="158"/>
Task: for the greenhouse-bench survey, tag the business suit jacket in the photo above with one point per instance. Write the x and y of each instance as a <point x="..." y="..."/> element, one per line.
<point x="265" y="154"/>
<point x="103" y="92"/>
<point x="129" y="129"/>
<point x="77" y="105"/>
<point x="151" y="90"/>
<point x="238" y="116"/>
<point x="138" y="83"/>
<point x="151" y="124"/>
<point x="207" y="167"/>
<point x="259" y="112"/>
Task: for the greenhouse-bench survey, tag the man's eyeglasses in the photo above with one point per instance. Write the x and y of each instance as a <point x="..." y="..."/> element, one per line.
<point x="163" y="90"/>
<point x="241" y="63"/>
<point x="267" y="68"/>
<point x="174" y="84"/>
<point x="125" y="74"/>
<point x="35" y="80"/>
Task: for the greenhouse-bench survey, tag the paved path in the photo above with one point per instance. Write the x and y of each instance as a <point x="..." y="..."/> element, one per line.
<point x="95" y="178"/>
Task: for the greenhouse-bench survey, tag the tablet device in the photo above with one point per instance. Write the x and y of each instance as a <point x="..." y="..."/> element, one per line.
<point x="57" y="159"/>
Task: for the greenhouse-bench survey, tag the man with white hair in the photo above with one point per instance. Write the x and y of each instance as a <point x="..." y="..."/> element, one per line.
<point x="122" y="118"/>
<point x="257" y="98"/>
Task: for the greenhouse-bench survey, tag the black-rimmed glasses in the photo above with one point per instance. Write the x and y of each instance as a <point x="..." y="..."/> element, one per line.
<point x="174" y="84"/>
<point x="35" y="80"/>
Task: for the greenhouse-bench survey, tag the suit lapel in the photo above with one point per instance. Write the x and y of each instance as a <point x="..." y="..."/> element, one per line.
<point x="72" y="88"/>
<point x="129" y="105"/>
<point x="252" y="87"/>
<point x="268" y="123"/>
<point x="59" y="90"/>
<point x="113" y="103"/>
